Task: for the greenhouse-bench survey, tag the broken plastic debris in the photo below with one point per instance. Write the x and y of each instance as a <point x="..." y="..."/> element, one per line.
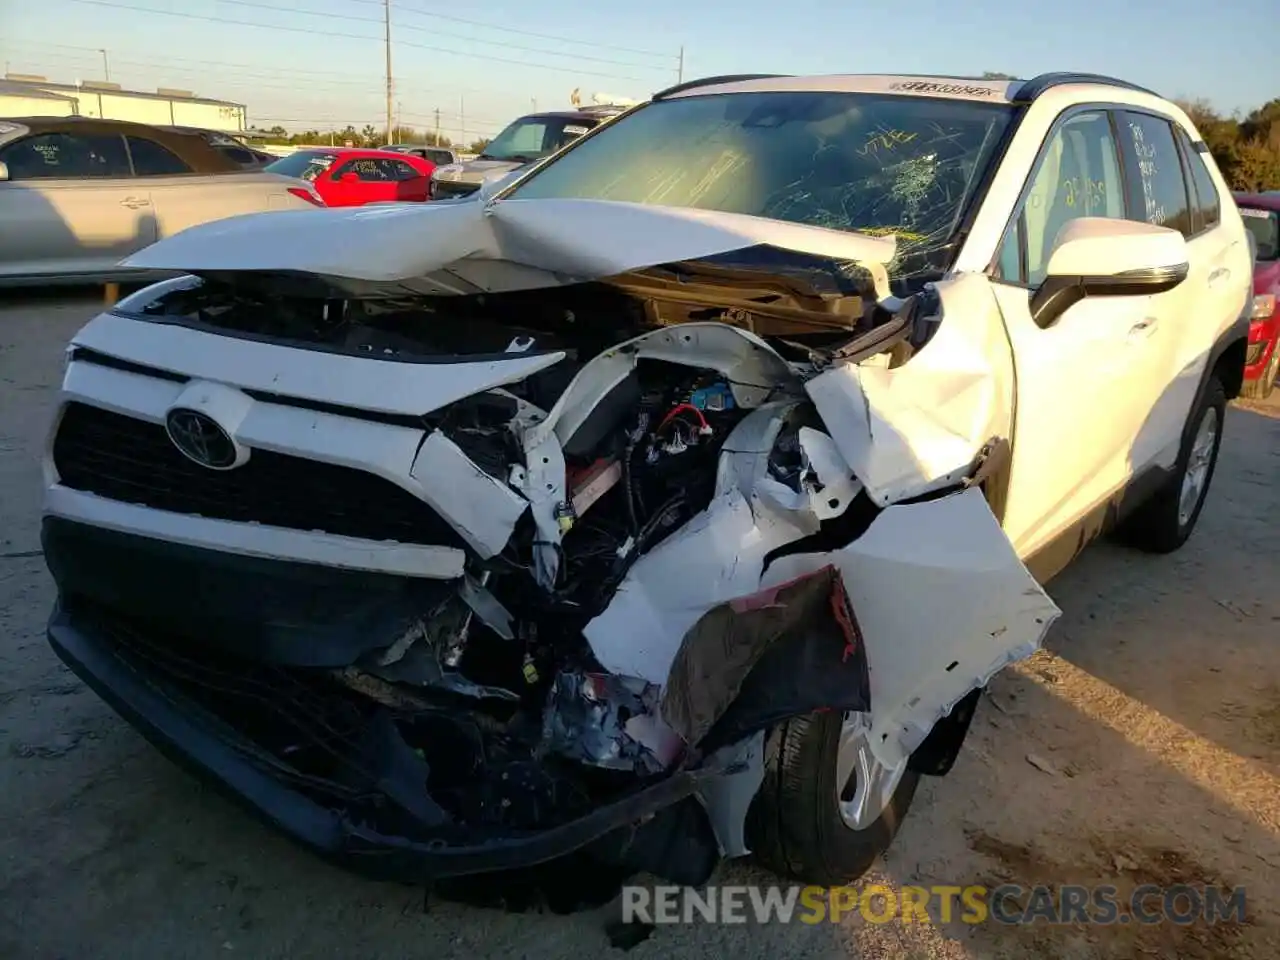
<point x="608" y="721"/>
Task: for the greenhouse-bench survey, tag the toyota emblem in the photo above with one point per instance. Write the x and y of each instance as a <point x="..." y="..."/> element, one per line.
<point x="199" y="438"/>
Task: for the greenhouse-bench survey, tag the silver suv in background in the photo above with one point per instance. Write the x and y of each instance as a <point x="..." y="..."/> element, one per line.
<point x="523" y="141"/>
<point x="440" y="156"/>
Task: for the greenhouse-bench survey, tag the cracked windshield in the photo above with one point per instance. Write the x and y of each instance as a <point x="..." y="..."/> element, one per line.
<point x="881" y="165"/>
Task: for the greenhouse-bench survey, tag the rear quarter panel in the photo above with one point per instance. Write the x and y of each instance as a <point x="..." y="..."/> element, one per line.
<point x="186" y="201"/>
<point x="1266" y="278"/>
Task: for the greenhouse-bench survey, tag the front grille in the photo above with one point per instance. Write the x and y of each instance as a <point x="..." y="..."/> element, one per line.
<point x="133" y="461"/>
<point x="445" y="189"/>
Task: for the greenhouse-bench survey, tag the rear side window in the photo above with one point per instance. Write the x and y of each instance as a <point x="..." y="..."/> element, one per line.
<point x="308" y="166"/>
<point x="372" y="169"/>
<point x="150" y="159"/>
<point x="1265" y="227"/>
<point x="404" y="171"/>
<point x="1157" y="192"/>
<point x="246" y="158"/>
<point x="62" y="155"/>
<point x="1206" y="207"/>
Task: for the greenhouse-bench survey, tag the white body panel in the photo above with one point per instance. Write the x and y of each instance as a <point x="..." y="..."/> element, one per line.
<point x="920" y="426"/>
<point x="943" y="604"/>
<point x="375" y="385"/>
<point x="253" y="540"/>
<point x="452" y="248"/>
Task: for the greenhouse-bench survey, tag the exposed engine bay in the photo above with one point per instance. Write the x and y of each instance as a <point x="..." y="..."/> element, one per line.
<point x="658" y="546"/>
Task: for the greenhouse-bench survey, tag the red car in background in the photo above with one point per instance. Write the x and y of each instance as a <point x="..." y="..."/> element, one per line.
<point x="1261" y="215"/>
<point x="349" y="177"/>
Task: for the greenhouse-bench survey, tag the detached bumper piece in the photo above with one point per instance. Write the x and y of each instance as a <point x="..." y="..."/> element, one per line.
<point x="429" y="798"/>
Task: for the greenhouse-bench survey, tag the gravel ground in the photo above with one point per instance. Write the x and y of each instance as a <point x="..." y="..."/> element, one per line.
<point x="1153" y="721"/>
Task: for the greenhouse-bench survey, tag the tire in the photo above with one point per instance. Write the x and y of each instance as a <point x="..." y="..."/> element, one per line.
<point x="1261" y="388"/>
<point x="795" y="827"/>
<point x="1163" y="524"/>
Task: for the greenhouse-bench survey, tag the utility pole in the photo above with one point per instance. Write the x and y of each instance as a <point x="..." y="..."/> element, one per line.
<point x="437" y="126"/>
<point x="386" y="18"/>
<point x="106" y="68"/>
<point x="680" y="69"/>
<point x="462" y="120"/>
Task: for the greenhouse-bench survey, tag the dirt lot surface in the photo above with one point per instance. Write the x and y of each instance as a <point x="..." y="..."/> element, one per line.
<point x="1153" y="721"/>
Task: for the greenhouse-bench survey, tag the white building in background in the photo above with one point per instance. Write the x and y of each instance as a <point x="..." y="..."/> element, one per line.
<point x="24" y="100"/>
<point x="23" y="95"/>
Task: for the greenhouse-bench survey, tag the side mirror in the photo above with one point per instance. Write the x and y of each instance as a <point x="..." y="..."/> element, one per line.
<point x="4" y="172"/>
<point x="1101" y="257"/>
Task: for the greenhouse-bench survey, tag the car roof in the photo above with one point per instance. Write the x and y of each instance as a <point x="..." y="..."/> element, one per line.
<point x="578" y="115"/>
<point x="190" y="146"/>
<point x="990" y="89"/>
<point x="351" y="152"/>
<point x="1261" y="201"/>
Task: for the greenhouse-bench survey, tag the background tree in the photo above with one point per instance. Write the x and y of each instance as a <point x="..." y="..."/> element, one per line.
<point x="477" y="146"/>
<point x="1247" y="151"/>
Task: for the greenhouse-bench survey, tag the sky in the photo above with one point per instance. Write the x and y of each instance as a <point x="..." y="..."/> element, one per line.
<point x="307" y="64"/>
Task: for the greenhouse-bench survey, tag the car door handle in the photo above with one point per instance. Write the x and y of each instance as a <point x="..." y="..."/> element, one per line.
<point x="133" y="203"/>
<point x="1221" y="275"/>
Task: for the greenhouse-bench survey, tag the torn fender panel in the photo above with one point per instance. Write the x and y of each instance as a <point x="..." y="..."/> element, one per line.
<point x="448" y="248"/>
<point x="916" y="428"/>
<point x="480" y="507"/>
<point x="750" y="662"/>
<point x="943" y="603"/>
<point x="716" y="556"/>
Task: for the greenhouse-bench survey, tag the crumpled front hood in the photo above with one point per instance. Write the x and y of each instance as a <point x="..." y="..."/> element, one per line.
<point x="469" y="248"/>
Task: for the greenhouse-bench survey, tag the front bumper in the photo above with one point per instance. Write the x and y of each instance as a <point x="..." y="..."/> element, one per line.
<point x="200" y="742"/>
<point x="273" y="611"/>
<point x="230" y="675"/>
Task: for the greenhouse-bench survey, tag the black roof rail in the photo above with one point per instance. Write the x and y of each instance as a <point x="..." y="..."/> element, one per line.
<point x="713" y="81"/>
<point x="1047" y="81"/>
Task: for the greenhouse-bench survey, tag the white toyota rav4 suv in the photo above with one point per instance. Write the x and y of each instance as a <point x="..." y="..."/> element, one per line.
<point x="671" y="501"/>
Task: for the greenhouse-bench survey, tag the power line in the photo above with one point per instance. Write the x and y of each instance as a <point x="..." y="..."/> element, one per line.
<point x="283" y="73"/>
<point x="518" y="63"/>
<point x="417" y="93"/>
<point x="346" y="36"/>
<point x="251" y="80"/>
<point x="450" y="36"/>
<point x="521" y="32"/>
